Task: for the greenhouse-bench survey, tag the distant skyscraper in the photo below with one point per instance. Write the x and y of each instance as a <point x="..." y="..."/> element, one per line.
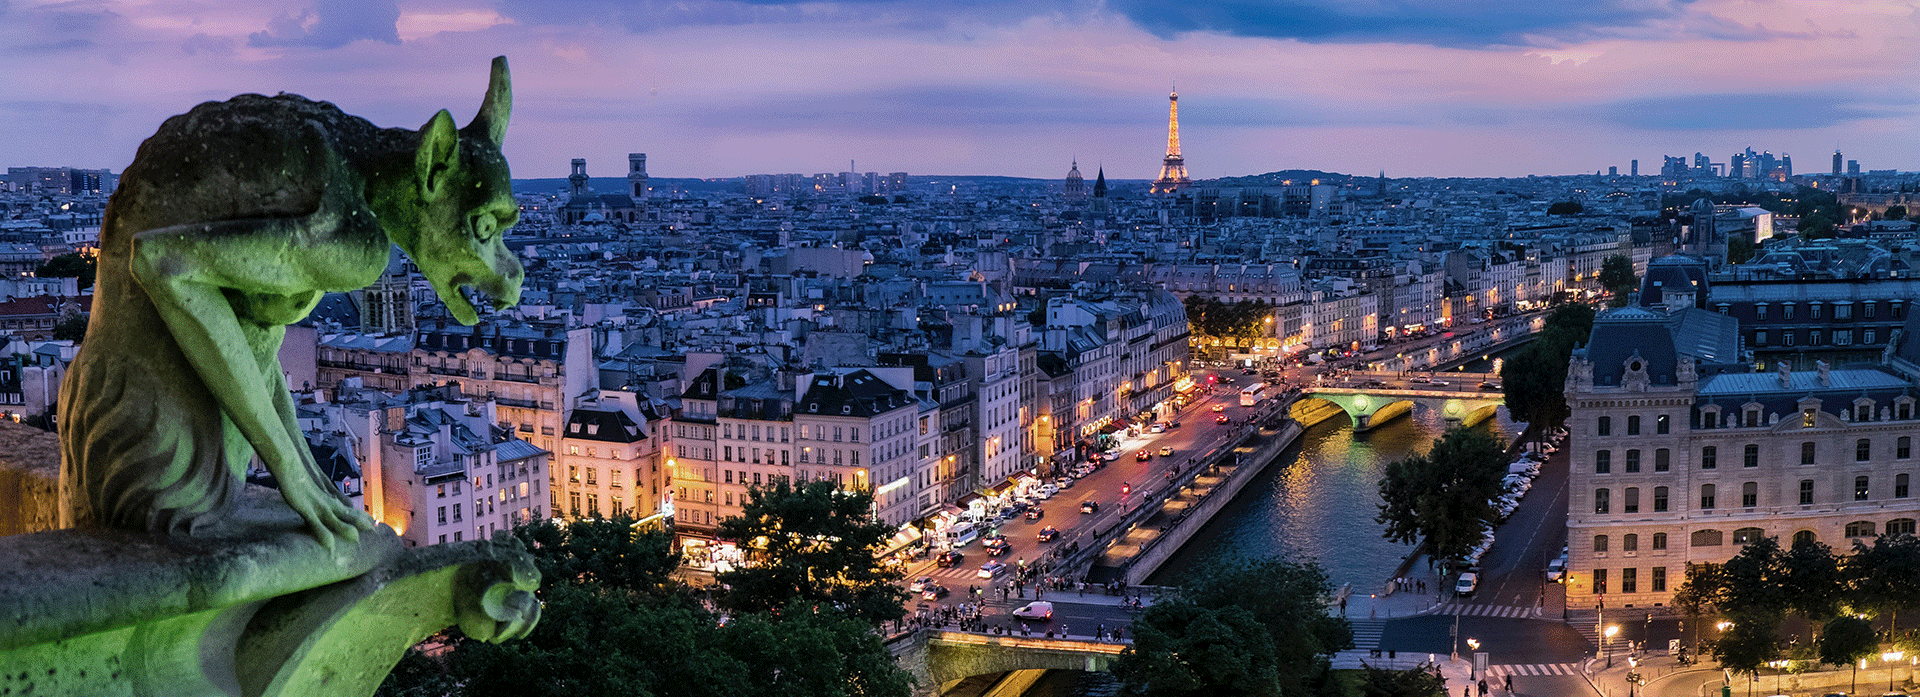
<point x="1173" y="172"/>
<point x="1076" y="185"/>
<point x="1635" y="168"/>
<point x="1836" y="162"/>
<point x="1853" y="168"/>
<point x="1737" y="166"/>
<point x="1786" y="164"/>
<point x="1613" y="171"/>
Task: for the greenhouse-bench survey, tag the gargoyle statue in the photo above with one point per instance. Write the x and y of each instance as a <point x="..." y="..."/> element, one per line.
<point x="231" y="222"/>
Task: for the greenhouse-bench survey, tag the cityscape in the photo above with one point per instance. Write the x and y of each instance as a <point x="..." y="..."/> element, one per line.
<point x="1103" y="414"/>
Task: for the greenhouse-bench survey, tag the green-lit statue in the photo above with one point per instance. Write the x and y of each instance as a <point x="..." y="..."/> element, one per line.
<point x="231" y="222"/>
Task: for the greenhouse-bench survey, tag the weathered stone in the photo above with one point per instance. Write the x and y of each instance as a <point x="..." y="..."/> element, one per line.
<point x="29" y="479"/>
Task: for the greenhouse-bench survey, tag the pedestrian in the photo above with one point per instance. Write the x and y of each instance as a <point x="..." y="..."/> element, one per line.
<point x="1099" y="630"/>
<point x="1509" y="683"/>
<point x="1343" y="606"/>
<point x="1483" y="687"/>
<point x="1063" y="631"/>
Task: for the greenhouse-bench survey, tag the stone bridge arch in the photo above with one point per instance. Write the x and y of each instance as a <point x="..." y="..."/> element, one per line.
<point x="1371" y="407"/>
<point x="939" y="659"/>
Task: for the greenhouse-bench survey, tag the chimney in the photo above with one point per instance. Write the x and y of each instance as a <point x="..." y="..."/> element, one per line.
<point x="1786" y="373"/>
<point x="1825" y="380"/>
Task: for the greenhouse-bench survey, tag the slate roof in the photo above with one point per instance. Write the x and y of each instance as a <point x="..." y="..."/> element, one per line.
<point x="858" y="393"/>
<point x="1850" y="381"/>
<point x="606" y="425"/>
<point x="1659" y="339"/>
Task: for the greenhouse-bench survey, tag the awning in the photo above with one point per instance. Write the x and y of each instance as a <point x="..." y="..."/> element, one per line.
<point x="1109" y="428"/>
<point x="907" y="535"/>
<point x="1122" y="422"/>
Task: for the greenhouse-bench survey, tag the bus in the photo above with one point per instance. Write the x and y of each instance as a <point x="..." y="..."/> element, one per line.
<point x="1253" y="393"/>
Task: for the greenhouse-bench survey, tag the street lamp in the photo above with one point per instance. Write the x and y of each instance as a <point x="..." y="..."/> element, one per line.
<point x="1890" y="657"/>
<point x="1606" y="642"/>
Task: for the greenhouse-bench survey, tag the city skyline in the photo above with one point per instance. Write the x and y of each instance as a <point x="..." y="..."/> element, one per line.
<point x="724" y="89"/>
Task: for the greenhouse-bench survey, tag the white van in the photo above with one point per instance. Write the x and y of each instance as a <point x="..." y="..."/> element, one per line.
<point x="961" y="534"/>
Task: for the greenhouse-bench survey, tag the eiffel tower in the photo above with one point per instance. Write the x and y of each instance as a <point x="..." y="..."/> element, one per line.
<point x="1173" y="172"/>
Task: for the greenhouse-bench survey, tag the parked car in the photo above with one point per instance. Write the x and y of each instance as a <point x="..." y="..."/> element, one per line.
<point x="1110" y="455"/>
<point x="1173" y="424"/>
<point x="1089" y="506"/>
<point x="934" y="592"/>
<point x="1166" y="450"/>
<point x="990" y="569"/>
<point x="1036" y="611"/>
<point x="1047" y="534"/>
<point x="1489" y="387"/>
<point x="1157" y="428"/>
<point x="1036" y="513"/>
<point x="919" y="584"/>
<point x="1556" y="569"/>
<point x="947" y="559"/>
<point x="1064" y="482"/>
<point x="1468" y="583"/>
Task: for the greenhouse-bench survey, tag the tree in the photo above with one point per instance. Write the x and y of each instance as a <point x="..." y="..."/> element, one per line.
<point x="1844" y="641"/>
<point x="1739" y="249"/>
<point x="1745" y="646"/>
<point x="813" y="543"/>
<point x="1818" y="225"/>
<point x="1534" y="383"/>
<point x="1444" y="497"/>
<point x="1811" y="579"/>
<point x="1181" y="649"/>
<point x="603" y="552"/>
<point x="1285" y="597"/>
<point x="1565" y="208"/>
<point x="1616" y="275"/>
<point x="873" y="200"/>
<point x="1232" y="324"/>
<point x="1895" y="212"/>
<point x="71" y="328"/>
<point x="69" y="265"/>
<point x="1413" y="682"/>
<point x="1884" y="577"/>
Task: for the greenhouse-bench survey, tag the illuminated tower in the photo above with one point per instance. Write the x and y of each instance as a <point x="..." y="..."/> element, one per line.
<point x="1173" y="172"/>
<point x="1076" y="188"/>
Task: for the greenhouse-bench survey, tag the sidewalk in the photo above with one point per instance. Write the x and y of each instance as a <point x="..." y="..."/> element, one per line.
<point x="1655" y="668"/>
<point x="1381" y="604"/>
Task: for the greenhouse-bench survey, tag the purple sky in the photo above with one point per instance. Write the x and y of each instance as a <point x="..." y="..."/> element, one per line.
<point x="720" y="88"/>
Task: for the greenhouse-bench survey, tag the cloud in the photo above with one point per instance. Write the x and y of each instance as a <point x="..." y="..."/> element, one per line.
<point x="208" y="44"/>
<point x="1724" y="112"/>
<point x="1455" y="24"/>
<point x="332" y="24"/>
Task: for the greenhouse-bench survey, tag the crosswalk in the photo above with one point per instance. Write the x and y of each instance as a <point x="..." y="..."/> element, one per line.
<point x="1534" y="669"/>
<point x="1366" y="633"/>
<point x="1475" y="610"/>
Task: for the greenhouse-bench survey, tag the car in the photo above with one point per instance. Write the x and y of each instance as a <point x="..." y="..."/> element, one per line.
<point x="947" y="559"/>
<point x="1375" y="383"/>
<point x="1110" y="455"/>
<point x="1157" y="428"/>
<point x="996" y="550"/>
<point x="1246" y="371"/>
<point x="1468" y="583"/>
<point x="1048" y="490"/>
<point x="1557" y="569"/>
<point x="1226" y="380"/>
<point x="919" y="584"/>
<point x="1173" y="424"/>
<point x="990" y="569"/>
<point x="1144" y="455"/>
<point x="1064" y="483"/>
<point x="1166" y="450"/>
<point x="1439" y="383"/>
<point x="1035" y="513"/>
<point x="1221" y="419"/>
<point x="1089" y="506"/>
<point x="1422" y="379"/>
<point x="1217" y="408"/>
<point x="934" y="592"/>
<point x="1036" y="611"/>
<point x="996" y="539"/>
<point x="1489" y="387"/>
<point x="1047" y="534"/>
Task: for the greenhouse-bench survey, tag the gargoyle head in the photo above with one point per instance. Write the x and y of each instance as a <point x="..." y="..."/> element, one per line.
<point x="467" y="204"/>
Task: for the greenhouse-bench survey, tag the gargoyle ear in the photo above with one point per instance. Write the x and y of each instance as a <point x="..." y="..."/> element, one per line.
<point x="491" y="122"/>
<point x="438" y="156"/>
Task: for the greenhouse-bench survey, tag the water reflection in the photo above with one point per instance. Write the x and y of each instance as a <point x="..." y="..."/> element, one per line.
<point x="1321" y="504"/>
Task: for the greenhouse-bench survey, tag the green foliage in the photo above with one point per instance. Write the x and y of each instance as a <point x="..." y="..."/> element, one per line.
<point x="1746" y="645"/>
<point x="1817" y="226"/>
<point x="1811" y="577"/>
<point x="1565" y="208"/>
<point x="811" y="543"/>
<point x="1702" y="591"/>
<point x="1739" y="249"/>
<point x="1534" y="381"/>
<point x="416" y="675"/>
<point x="1282" y="602"/>
<point x="1413" y="682"/>
<point x="1755" y="581"/>
<point x="1894" y="212"/>
<point x="1884" y="577"/>
<point x="1209" y="318"/>
<point x="71" y="328"/>
<point x="69" y="265"/>
<point x="873" y="200"/>
<point x="601" y="552"/>
<point x="1183" y="649"/>
<point x="1616" y="275"/>
<point x="1444" y="496"/>
<point x="1846" y="639"/>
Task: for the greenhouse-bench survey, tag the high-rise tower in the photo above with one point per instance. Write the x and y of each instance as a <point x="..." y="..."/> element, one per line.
<point x="1173" y="172"/>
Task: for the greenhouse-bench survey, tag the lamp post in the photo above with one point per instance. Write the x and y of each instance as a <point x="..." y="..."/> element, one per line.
<point x="1607" y="642"/>
<point x="1473" y="645"/>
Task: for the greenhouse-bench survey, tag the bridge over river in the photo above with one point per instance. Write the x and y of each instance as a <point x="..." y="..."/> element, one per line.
<point x="1371" y="399"/>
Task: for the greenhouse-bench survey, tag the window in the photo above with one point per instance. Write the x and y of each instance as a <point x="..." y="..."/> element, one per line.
<point x="1659" y="499"/>
<point x="1662" y="460"/>
<point x="1633" y="461"/>
<point x="1860" y="528"/>
<point x="1706" y="496"/>
<point x="1709" y="457"/>
<point x="1745" y="536"/>
<point x="1603" y="462"/>
<point x="1806" y="492"/>
<point x="1632" y="502"/>
<point x="1602" y="500"/>
<point x="1599" y="544"/>
<point x="1867" y="336"/>
<point x="1628" y="580"/>
<point x="1806" y="453"/>
<point x="443" y="515"/>
<point x="1860" y="488"/>
<point x="1903" y="447"/>
<point x="1760" y="337"/>
<point x="1842" y="337"/>
<point x="1659" y="542"/>
<point x="1805" y="537"/>
<point x="1900" y="526"/>
<point x="1705" y="538"/>
<point x="1633" y="425"/>
<point x="1630" y="543"/>
<point x="1786" y="311"/>
<point x="1749" y="494"/>
<point x="1659" y="579"/>
<point x="1599" y="581"/>
<point x="1662" y="424"/>
<point x="1813" y="310"/>
<point x="1806" y="418"/>
<point x="1788" y="336"/>
<point x="1605" y="426"/>
<point x="1753" y="418"/>
<point x="1760" y="311"/>
<point x="1750" y="456"/>
<point x="1862" y="450"/>
<point x="1866" y="309"/>
<point x="1900" y="485"/>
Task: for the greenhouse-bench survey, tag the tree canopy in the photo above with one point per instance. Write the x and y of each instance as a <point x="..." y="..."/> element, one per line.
<point x="1445" y="495"/>
<point x="1242" y="626"/>
<point x="1616" y="275"/>
<point x="1565" y="208"/>
<point x="812" y="542"/>
<point x="1208" y="318"/>
<point x="69" y="265"/>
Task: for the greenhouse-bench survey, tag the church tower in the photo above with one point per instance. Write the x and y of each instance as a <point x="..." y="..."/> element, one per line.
<point x="577" y="182"/>
<point x="1098" y="211"/>
<point x="1076" y="185"/>
<point x="637" y="177"/>
<point x="1173" y="171"/>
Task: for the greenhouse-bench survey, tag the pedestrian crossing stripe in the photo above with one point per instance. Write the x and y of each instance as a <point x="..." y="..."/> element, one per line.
<point x="1523" y="669"/>
<point x="1489" y="610"/>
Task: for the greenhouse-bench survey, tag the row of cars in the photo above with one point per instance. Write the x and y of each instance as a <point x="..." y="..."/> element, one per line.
<point x="1518" y="480"/>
